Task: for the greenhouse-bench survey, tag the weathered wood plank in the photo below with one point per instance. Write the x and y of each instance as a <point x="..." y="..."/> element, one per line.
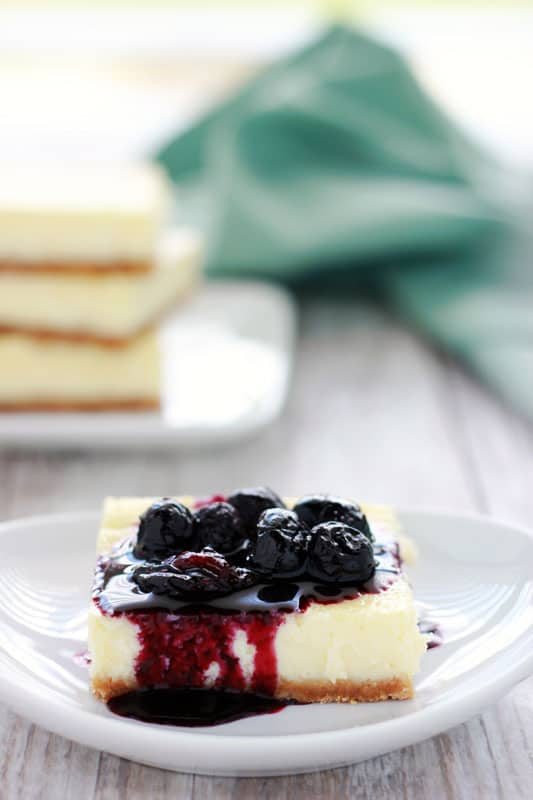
<point x="35" y="763"/>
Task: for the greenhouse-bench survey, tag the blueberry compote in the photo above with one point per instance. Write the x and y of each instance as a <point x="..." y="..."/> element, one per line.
<point x="207" y="586"/>
<point x="432" y="630"/>
<point x="192" y="708"/>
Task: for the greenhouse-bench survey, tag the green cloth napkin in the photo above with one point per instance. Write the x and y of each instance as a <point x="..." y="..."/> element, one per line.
<point x="333" y="168"/>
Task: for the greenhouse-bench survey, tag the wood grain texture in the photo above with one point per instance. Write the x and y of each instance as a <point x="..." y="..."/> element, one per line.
<point x="374" y="413"/>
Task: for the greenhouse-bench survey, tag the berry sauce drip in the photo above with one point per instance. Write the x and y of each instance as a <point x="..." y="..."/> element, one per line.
<point x="192" y="708"/>
<point x="192" y="650"/>
<point x="432" y="630"/>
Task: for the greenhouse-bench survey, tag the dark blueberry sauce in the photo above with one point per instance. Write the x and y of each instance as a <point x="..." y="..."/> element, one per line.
<point x="116" y="593"/>
<point x="192" y="708"/>
<point x="431" y="629"/>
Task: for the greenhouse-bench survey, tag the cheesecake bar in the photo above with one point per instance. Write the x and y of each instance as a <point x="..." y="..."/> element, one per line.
<point x="81" y="219"/>
<point x="54" y="375"/>
<point x="109" y="306"/>
<point x="302" y="600"/>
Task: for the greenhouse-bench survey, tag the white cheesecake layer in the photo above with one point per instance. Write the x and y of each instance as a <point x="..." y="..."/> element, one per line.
<point x="373" y="638"/>
<point x="114" y="647"/>
<point x="111" y="305"/>
<point x="41" y="371"/>
<point x="81" y="214"/>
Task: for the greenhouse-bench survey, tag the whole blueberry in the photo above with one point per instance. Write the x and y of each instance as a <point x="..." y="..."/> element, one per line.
<point x="165" y="528"/>
<point x="281" y="546"/>
<point x="250" y="503"/>
<point x="192" y="576"/>
<point x="218" y="526"/>
<point x="338" y="553"/>
<point x="315" y="509"/>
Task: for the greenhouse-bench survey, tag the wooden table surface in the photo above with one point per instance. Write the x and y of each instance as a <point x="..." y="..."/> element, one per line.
<point x="373" y="413"/>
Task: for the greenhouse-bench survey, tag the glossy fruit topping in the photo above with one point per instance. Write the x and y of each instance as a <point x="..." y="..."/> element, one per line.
<point x="219" y="526"/>
<point x="315" y="509"/>
<point x="281" y="545"/>
<point x="338" y="553"/>
<point x="192" y="576"/>
<point x="249" y="539"/>
<point x="166" y="528"/>
<point x="250" y="503"/>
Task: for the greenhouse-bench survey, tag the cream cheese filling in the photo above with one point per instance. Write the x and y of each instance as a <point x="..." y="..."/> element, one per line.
<point x="81" y="213"/>
<point x="35" y="370"/>
<point x="114" y="304"/>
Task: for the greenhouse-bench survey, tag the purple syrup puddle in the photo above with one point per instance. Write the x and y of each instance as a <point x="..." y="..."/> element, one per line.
<point x="278" y="592"/>
<point x="192" y="708"/>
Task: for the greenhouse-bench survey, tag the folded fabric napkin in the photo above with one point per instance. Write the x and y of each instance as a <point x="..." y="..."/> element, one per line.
<point x="333" y="168"/>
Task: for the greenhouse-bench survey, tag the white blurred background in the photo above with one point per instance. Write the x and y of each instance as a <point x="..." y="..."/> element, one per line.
<point x="102" y="82"/>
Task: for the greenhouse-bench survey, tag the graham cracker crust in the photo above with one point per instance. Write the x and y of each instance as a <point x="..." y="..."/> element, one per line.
<point x="345" y="691"/>
<point x="144" y="404"/>
<point x="106" y="688"/>
<point x="342" y="691"/>
<point x="76" y="267"/>
<point x="76" y="337"/>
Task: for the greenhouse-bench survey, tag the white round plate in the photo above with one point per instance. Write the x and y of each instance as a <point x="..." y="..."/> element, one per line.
<point x="226" y="366"/>
<point x="474" y="573"/>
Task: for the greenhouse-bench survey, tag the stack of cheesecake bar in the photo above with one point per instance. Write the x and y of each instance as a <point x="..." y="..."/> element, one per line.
<point x="88" y="266"/>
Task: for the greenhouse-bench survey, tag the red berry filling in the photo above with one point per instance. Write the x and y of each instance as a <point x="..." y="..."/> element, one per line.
<point x="177" y="650"/>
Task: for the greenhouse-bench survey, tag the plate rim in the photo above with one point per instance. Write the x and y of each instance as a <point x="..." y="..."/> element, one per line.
<point x="244" y="749"/>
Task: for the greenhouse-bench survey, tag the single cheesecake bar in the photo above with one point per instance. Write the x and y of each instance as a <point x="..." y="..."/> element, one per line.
<point x="53" y="375"/>
<point x="109" y="306"/>
<point x="304" y="601"/>
<point x="88" y="219"/>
